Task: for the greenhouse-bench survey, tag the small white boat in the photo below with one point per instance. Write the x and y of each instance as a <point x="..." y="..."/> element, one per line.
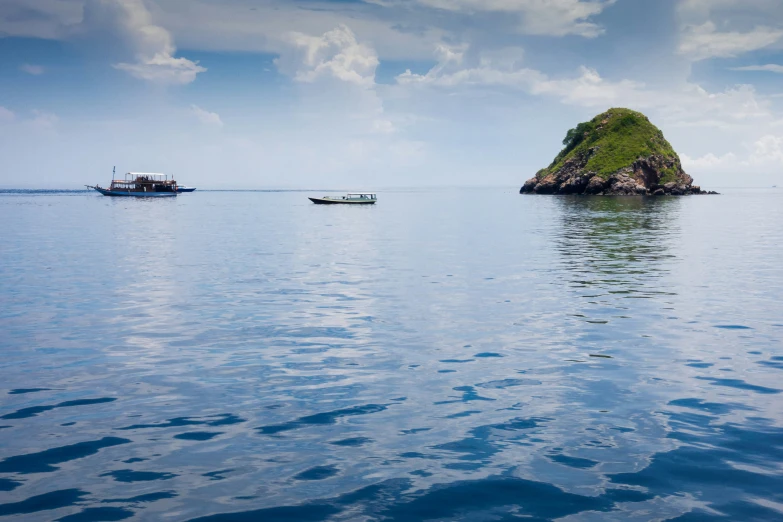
<point x="352" y="198"/>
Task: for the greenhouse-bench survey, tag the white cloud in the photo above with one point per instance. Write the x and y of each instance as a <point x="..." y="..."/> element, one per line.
<point x="563" y="17"/>
<point x="765" y="153"/>
<point x="708" y="161"/>
<point x="335" y="54"/>
<point x="588" y="89"/>
<point x="35" y="70"/>
<point x="164" y="69"/>
<point x="206" y="117"/>
<point x="768" y="68"/>
<point x="6" y="115"/>
<point x="767" y="150"/>
<point x="337" y="73"/>
<point x="483" y="75"/>
<point x="340" y="122"/>
<point x="700" y="42"/>
<point x="451" y="71"/>
<point x="154" y="46"/>
<point x="128" y="20"/>
<point x="695" y="106"/>
<point x="537" y="17"/>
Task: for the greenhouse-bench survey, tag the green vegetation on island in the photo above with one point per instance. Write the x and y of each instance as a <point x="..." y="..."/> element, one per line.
<point x="621" y="136"/>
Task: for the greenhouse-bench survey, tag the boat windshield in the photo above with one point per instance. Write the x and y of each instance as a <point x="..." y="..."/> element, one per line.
<point x="361" y="195"/>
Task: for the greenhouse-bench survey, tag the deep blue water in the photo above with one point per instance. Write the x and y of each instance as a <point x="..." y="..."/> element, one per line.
<point x="444" y="355"/>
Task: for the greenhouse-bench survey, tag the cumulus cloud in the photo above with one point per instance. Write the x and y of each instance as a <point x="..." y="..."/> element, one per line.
<point x="153" y="46"/>
<point x="700" y="42"/>
<point x="452" y="70"/>
<point x="768" y="149"/>
<point x="587" y="89"/>
<point x="764" y="153"/>
<point x="128" y="20"/>
<point x="591" y="90"/>
<point x="708" y="161"/>
<point x="335" y="54"/>
<point x="563" y="17"/>
<point x="338" y="72"/>
<point x="35" y="70"/>
<point x="768" y="68"/>
<point x="206" y="117"/>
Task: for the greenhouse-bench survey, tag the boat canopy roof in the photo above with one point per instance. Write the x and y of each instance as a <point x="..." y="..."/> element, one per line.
<point x="361" y="193"/>
<point x="156" y="176"/>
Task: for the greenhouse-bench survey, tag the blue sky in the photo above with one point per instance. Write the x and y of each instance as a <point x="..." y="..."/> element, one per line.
<point x="378" y="93"/>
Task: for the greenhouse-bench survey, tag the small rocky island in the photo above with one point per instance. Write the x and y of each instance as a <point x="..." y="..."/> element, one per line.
<point x="617" y="153"/>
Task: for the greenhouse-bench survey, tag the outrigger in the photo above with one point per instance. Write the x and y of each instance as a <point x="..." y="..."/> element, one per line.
<point x="140" y="185"/>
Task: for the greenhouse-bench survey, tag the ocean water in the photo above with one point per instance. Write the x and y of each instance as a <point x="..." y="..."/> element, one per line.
<point x="452" y="354"/>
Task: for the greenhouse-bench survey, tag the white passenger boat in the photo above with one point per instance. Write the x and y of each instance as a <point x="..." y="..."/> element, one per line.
<point x="352" y="198"/>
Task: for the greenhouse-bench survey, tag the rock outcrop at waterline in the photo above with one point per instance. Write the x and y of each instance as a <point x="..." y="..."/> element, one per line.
<point x="617" y="153"/>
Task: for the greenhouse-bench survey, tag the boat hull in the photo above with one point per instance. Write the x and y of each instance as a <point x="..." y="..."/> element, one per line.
<point x="186" y="189"/>
<point x="327" y="201"/>
<point x="117" y="193"/>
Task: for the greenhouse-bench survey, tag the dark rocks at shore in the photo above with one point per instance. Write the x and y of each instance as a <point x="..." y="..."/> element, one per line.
<point x="643" y="178"/>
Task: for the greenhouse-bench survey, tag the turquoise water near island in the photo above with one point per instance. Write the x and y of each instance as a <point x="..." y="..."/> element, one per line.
<point x="447" y="354"/>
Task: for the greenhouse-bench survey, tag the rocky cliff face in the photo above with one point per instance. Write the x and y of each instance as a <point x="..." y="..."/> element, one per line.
<point x="618" y="152"/>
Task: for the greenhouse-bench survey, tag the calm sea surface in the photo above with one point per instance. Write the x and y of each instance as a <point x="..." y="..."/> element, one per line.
<point x="443" y="355"/>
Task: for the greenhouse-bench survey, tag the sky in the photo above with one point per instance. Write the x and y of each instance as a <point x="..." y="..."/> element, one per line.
<point x="365" y="94"/>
